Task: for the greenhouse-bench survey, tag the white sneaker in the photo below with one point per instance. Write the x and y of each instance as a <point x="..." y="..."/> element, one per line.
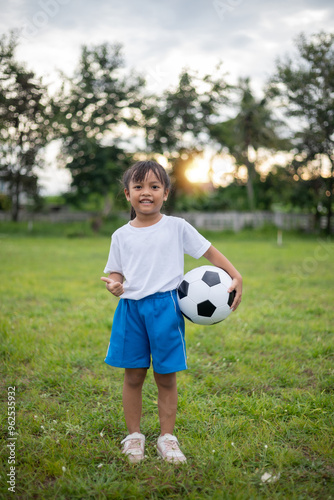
<point x="134" y="445"/>
<point x="168" y="449"/>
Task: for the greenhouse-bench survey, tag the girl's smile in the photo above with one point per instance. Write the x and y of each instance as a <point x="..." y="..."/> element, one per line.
<point x="146" y="201"/>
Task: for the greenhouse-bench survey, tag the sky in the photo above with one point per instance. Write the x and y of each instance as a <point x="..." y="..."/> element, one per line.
<point x="160" y="38"/>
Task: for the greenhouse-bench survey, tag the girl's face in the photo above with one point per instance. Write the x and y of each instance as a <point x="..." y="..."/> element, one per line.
<point x="147" y="196"/>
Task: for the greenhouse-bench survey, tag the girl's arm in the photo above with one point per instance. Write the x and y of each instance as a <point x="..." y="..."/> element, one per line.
<point x="114" y="283"/>
<point x="219" y="260"/>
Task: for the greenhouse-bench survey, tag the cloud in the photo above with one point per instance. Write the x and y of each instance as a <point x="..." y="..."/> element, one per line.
<point x="163" y="37"/>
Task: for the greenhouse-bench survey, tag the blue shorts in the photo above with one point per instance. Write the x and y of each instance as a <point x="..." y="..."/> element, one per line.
<point x="152" y="326"/>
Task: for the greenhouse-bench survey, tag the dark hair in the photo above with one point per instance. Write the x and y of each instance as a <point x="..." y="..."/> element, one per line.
<point x="139" y="171"/>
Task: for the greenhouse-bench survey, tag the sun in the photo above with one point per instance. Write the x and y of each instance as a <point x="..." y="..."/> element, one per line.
<point x="211" y="169"/>
<point x="198" y="171"/>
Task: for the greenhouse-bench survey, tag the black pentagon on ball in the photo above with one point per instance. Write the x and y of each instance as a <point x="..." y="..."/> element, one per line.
<point x="231" y="297"/>
<point x="211" y="278"/>
<point x="183" y="289"/>
<point x="206" y="309"/>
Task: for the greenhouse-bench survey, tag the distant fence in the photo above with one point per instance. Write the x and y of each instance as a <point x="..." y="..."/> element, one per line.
<point x="235" y="221"/>
<point x="59" y="216"/>
<point x="215" y="221"/>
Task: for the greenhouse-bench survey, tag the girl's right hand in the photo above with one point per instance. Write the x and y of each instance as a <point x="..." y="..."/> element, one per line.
<point x="114" y="287"/>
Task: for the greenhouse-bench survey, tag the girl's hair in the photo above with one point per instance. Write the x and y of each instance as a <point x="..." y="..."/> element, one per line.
<point x="139" y="171"/>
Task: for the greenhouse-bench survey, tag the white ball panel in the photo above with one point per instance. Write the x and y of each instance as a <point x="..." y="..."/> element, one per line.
<point x="188" y="307"/>
<point x="194" y="275"/>
<point x="198" y="291"/>
<point x="218" y="295"/>
<point x="202" y="320"/>
<point x="221" y="313"/>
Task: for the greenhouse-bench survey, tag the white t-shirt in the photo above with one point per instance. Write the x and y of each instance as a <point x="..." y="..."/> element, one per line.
<point x="151" y="259"/>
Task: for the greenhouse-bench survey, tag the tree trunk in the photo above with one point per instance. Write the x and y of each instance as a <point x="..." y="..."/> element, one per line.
<point x="16" y="199"/>
<point x="108" y="205"/>
<point x="250" y="188"/>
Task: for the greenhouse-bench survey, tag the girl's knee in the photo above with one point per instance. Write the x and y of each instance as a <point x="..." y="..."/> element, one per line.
<point x="165" y="380"/>
<point x="134" y="377"/>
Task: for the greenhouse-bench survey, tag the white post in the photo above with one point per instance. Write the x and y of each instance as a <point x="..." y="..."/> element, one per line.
<point x="279" y="237"/>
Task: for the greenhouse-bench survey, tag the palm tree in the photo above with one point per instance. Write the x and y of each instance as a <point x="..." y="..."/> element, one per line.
<point x="252" y="128"/>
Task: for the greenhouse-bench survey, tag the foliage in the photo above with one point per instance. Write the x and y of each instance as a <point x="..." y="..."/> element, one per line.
<point x="304" y="86"/>
<point x="179" y="118"/>
<point x="25" y="125"/>
<point x="253" y="127"/>
<point x="178" y="121"/>
<point x="257" y="398"/>
<point x="96" y="175"/>
<point x="285" y="188"/>
<point x="5" y="202"/>
<point x="231" y="197"/>
<point x="92" y="107"/>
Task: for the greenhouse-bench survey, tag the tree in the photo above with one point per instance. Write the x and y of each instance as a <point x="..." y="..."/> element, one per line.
<point x="304" y="86"/>
<point x="25" y="118"/>
<point x="177" y="122"/>
<point x="92" y="107"/>
<point x="96" y="174"/>
<point x="252" y="128"/>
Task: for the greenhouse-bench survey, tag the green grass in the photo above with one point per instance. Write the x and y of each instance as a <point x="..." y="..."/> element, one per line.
<point x="257" y="398"/>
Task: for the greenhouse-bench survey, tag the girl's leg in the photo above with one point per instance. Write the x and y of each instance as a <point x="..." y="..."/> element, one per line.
<point x="132" y="398"/>
<point x="167" y="401"/>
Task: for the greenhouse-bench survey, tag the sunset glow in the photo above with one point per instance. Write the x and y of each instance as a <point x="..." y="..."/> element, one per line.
<point x="218" y="170"/>
<point x="198" y="171"/>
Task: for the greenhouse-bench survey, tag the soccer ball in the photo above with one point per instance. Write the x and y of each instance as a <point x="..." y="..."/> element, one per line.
<point x="203" y="296"/>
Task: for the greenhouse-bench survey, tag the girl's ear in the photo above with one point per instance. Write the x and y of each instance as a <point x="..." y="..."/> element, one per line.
<point x="166" y="193"/>
<point x="127" y="194"/>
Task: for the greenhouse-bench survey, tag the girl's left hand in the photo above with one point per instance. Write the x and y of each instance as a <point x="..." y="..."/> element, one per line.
<point x="237" y="286"/>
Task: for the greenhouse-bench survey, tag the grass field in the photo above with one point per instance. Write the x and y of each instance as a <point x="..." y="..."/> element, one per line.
<point x="256" y="402"/>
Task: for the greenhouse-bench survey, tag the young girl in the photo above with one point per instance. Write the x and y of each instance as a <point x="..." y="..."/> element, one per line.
<point x="147" y="254"/>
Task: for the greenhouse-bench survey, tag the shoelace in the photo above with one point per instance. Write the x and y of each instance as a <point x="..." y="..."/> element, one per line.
<point x="171" y="445"/>
<point x="134" y="444"/>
